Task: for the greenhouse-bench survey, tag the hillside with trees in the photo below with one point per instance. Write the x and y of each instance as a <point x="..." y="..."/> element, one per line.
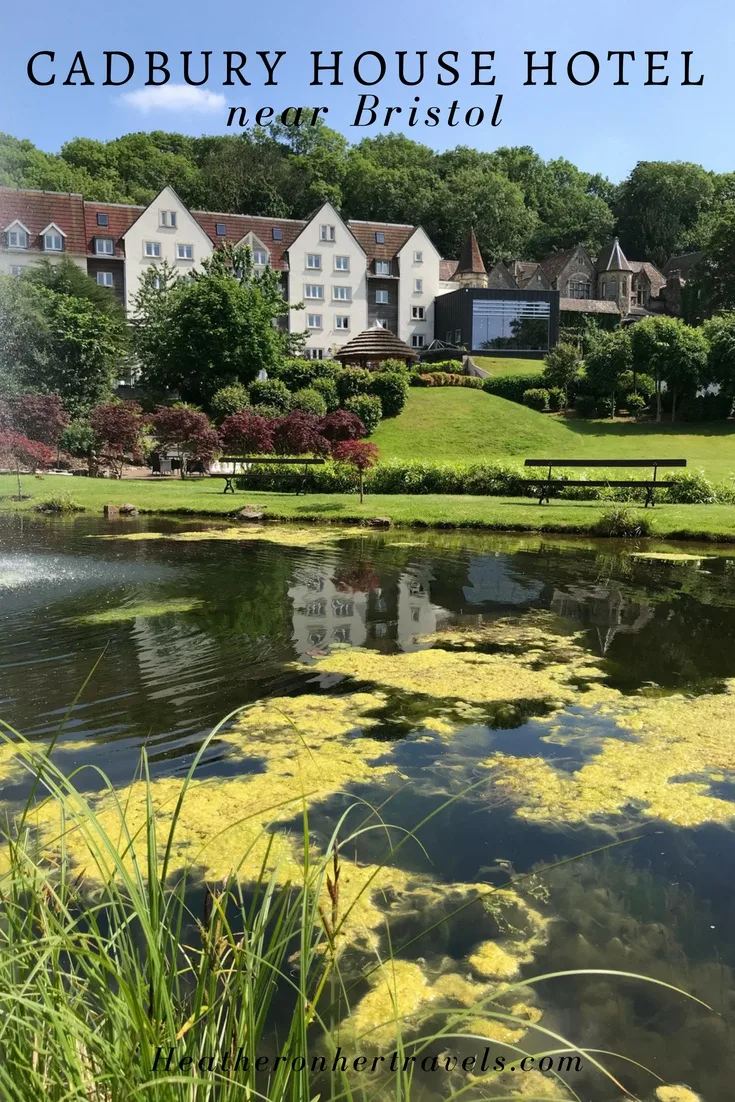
<point x="519" y="204"/>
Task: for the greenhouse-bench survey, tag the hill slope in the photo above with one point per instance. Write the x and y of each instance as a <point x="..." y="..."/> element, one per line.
<point x="459" y="424"/>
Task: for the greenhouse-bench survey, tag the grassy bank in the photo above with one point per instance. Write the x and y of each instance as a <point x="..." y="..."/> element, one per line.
<point x="459" y="424"/>
<point x="206" y="499"/>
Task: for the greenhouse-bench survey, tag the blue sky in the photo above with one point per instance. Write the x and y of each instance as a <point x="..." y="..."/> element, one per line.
<point x="600" y="127"/>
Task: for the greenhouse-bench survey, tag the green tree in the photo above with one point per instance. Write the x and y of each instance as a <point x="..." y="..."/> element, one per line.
<point x="561" y="367"/>
<point x="658" y="205"/>
<point x="672" y="353"/>
<point x="719" y="332"/>
<point x="218" y="327"/>
<point x="608" y="358"/>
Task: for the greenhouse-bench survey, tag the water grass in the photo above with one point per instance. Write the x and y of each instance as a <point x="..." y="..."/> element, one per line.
<point x="124" y="976"/>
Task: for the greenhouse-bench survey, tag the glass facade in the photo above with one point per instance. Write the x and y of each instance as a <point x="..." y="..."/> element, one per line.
<point x="522" y="325"/>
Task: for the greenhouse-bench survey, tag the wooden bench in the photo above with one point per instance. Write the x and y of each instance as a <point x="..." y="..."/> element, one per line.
<point x="263" y="461"/>
<point x="548" y="483"/>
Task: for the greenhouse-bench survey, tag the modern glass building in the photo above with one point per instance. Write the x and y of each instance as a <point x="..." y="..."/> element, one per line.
<point x="512" y="323"/>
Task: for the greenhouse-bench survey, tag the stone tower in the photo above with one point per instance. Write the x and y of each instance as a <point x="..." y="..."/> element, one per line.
<point x="471" y="270"/>
<point x="615" y="277"/>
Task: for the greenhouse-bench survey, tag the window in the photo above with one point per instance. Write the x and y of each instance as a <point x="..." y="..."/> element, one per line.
<point x="341" y="263"/>
<point x="417" y="340"/>
<point x="313" y="290"/>
<point x="152" y="248"/>
<point x="506" y="324"/>
<point x="157" y="283"/>
<point x="314" y="321"/>
<point x="342" y="294"/>
<point x="379" y="237"/>
<point x="103" y="246"/>
<point x="221" y="229"/>
<point x="580" y="288"/>
<point x="457" y="336"/>
<point x="313" y="260"/>
<point x="168" y="218"/>
<point x="184" y="252"/>
<point x="16" y="269"/>
<point x="449" y="336"/>
<point x="342" y="321"/>
<point x="418" y="286"/>
<point x="104" y="279"/>
<point x="314" y="353"/>
<point x="53" y="242"/>
<point x="102" y="219"/>
<point x="418" y="258"/>
<point x="277" y="233"/>
<point x="639" y="295"/>
<point x="417" y="313"/>
<point x="17" y="239"/>
<point x="260" y="256"/>
<point x="381" y="297"/>
<point x="382" y="267"/>
<point x="326" y="233"/>
<point x="381" y="323"/>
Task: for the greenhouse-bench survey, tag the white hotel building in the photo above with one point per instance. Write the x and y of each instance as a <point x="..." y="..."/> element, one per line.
<point x="348" y="275"/>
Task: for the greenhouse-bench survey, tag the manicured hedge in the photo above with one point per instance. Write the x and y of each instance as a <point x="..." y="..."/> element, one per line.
<point x="445" y="378"/>
<point x="513" y="387"/>
<point x="479" y="479"/>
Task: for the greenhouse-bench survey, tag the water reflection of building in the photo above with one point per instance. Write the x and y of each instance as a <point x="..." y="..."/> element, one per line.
<point x="603" y="608"/>
<point x="324" y="613"/>
<point x="417" y="616"/>
<point x="494" y="580"/>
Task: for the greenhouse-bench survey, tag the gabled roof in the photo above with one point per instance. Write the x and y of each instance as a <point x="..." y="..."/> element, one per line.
<point x="612" y="259"/>
<point x="17" y="222"/>
<point x="238" y="225"/>
<point x="36" y="209"/>
<point x="120" y="217"/>
<point x="555" y="264"/>
<point x="470" y="259"/>
<point x="447" y="269"/>
<point x="656" y="278"/>
<point x="395" y="238"/>
<point x="52" y="226"/>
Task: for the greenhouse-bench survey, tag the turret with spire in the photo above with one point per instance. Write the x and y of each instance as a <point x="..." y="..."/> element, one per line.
<point x="471" y="271"/>
<point x="615" y="276"/>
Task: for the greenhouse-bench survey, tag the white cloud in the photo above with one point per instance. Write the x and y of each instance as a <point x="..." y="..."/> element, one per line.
<point x="174" y="97"/>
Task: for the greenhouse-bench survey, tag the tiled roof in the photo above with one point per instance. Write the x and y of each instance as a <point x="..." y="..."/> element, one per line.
<point x="120" y="218"/>
<point x="656" y="278"/>
<point x="238" y="225"/>
<point x="556" y="263"/>
<point x="470" y="259"/>
<point x="447" y="270"/>
<point x="613" y="259"/>
<point x="589" y="305"/>
<point x="36" y="209"/>
<point x="395" y="237"/>
<point x="683" y="263"/>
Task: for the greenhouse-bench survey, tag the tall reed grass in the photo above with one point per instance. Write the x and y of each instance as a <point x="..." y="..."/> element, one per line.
<point x="121" y="971"/>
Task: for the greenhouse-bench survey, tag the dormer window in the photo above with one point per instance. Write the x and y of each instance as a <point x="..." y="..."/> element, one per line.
<point x="53" y="239"/>
<point x="104" y="246"/>
<point x="168" y="219"/>
<point x="260" y="258"/>
<point x="17" y="236"/>
<point x="382" y="267"/>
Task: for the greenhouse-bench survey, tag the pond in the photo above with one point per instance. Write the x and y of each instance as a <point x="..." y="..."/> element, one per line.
<point x="525" y="699"/>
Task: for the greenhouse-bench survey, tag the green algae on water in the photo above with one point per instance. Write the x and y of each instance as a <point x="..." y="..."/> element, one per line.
<point x="123" y="613"/>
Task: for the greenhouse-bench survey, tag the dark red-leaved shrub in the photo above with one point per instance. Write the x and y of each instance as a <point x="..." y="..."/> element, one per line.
<point x="360" y="455"/>
<point x="299" y="434"/>
<point x="342" y="425"/>
<point x="189" y="431"/>
<point x="246" y="433"/>
<point x="17" y="452"/>
<point x="117" y="428"/>
<point x="37" y="416"/>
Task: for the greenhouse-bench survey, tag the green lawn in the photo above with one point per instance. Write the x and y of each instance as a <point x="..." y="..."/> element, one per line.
<point x="205" y="498"/>
<point x="462" y="424"/>
<point x="509" y="365"/>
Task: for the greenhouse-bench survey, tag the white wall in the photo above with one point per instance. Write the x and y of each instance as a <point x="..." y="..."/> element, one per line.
<point x="26" y="258"/>
<point x="344" y="244"/>
<point x="148" y="228"/>
<point x="426" y="270"/>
